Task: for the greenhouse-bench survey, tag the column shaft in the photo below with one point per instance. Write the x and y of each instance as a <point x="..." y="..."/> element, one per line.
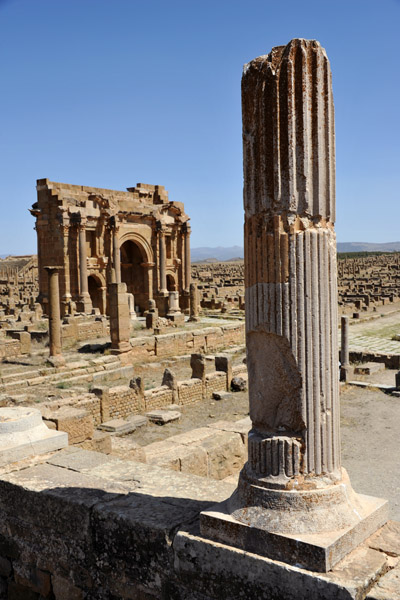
<point x="83" y="276"/>
<point x="54" y="312"/>
<point x="162" y="255"/>
<point x="188" y="273"/>
<point x="116" y="256"/>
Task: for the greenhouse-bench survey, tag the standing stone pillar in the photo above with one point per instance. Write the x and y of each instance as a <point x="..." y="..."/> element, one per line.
<point x="85" y="303"/>
<point x="344" y="351"/>
<point x="162" y="261"/>
<point x="55" y="343"/>
<point x="120" y="323"/>
<point x="188" y="266"/>
<point x="193" y="303"/>
<point x="294" y="502"/>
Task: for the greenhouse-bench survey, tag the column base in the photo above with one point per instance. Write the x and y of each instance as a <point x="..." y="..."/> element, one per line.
<point x="56" y="361"/>
<point x="312" y="529"/>
<point x="84" y="305"/>
<point x="176" y="317"/>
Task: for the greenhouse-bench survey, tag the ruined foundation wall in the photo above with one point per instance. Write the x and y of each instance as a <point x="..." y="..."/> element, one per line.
<point x="82" y="526"/>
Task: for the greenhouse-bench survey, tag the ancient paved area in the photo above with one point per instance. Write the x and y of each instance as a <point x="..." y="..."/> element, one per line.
<point x="376" y="335"/>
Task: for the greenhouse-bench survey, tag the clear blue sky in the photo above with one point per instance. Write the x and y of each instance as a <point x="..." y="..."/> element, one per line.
<point x="109" y="93"/>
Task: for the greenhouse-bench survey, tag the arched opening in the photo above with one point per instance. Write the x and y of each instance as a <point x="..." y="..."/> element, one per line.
<point x="95" y="292"/>
<point x="132" y="273"/>
<point x="171" y="284"/>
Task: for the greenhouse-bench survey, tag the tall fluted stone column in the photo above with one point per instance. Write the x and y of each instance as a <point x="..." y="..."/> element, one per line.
<point x="66" y="298"/>
<point x="293" y="485"/>
<point x="55" y="343"/>
<point x="116" y="255"/>
<point x="162" y="264"/>
<point x="188" y="273"/>
<point x="85" y="304"/>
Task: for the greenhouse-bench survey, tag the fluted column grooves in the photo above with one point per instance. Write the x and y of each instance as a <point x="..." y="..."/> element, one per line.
<point x="290" y="259"/>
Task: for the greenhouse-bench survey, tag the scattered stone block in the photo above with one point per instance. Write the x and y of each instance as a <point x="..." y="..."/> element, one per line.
<point x="100" y="442"/>
<point x="221" y="395"/>
<point x="118" y="426"/>
<point x="161" y="417"/>
<point x="369" y="368"/>
<point x="238" y="384"/>
<point x="137" y="420"/>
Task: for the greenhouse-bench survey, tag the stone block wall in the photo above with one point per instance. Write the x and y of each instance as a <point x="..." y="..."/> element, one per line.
<point x="93" y="407"/>
<point x="190" y="391"/>
<point x="209" y="339"/>
<point x="158" y="397"/>
<point x="239" y="370"/>
<point x="10" y="348"/>
<point x="215" y="382"/>
<point x="123" y="401"/>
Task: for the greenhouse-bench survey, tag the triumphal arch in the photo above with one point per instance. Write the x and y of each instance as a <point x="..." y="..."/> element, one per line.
<point x="99" y="236"/>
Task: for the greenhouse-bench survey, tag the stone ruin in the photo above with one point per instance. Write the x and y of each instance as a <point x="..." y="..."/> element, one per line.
<point x="77" y="524"/>
<point x="294" y="501"/>
<point x="99" y="236"/>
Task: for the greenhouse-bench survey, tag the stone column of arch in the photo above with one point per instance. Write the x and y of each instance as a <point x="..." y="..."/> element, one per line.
<point x="85" y="303"/>
<point x="116" y="254"/>
<point x="162" y="260"/>
<point x="187" y="273"/>
<point x="66" y="298"/>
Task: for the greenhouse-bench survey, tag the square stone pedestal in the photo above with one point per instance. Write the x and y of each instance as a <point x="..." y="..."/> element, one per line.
<point x="316" y="552"/>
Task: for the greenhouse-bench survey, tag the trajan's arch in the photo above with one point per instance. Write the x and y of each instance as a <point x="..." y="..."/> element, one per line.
<point x="98" y="236"/>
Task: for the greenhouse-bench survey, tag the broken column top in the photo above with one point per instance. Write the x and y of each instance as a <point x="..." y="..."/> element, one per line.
<point x="290" y="170"/>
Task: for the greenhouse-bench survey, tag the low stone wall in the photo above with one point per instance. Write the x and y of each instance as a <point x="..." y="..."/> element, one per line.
<point x="215" y="382"/>
<point x="209" y="339"/>
<point x="391" y="361"/>
<point x="10" y="348"/>
<point x="123" y="401"/>
<point x="215" y="451"/>
<point x="158" y="397"/>
<point x="76" y="330"/>
<point x="190" y="391"/>
<point x="84" y="525"/>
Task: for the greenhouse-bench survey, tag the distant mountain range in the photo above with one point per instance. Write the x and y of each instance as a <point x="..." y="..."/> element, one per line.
<point x="221" y="253"/>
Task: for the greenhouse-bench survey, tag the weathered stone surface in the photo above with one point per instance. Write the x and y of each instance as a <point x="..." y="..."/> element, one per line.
<point x="160" y="417"/>
<point x="293" y="502"/>
<point x="387" y="539"/>
<point x="23" y="433"/>
<point x="238" y="384"/>
<point x="118" y="426"/>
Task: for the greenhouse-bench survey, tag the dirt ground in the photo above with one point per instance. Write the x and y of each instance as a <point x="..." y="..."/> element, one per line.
<point x="370" y="422"/>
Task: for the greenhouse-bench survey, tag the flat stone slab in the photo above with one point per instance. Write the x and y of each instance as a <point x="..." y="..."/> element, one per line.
<point x="118" y="426"/>
<point x="23" y="433"/>
<point x="137" y="420"/>
<point x="161" y="417"/>
<point x="221" y="395"/>
<point x="387" y="588"/>
<point x="369" y="368"/>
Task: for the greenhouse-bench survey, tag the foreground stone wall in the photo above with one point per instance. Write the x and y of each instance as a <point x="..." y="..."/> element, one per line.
<point x="82" y="526"/>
